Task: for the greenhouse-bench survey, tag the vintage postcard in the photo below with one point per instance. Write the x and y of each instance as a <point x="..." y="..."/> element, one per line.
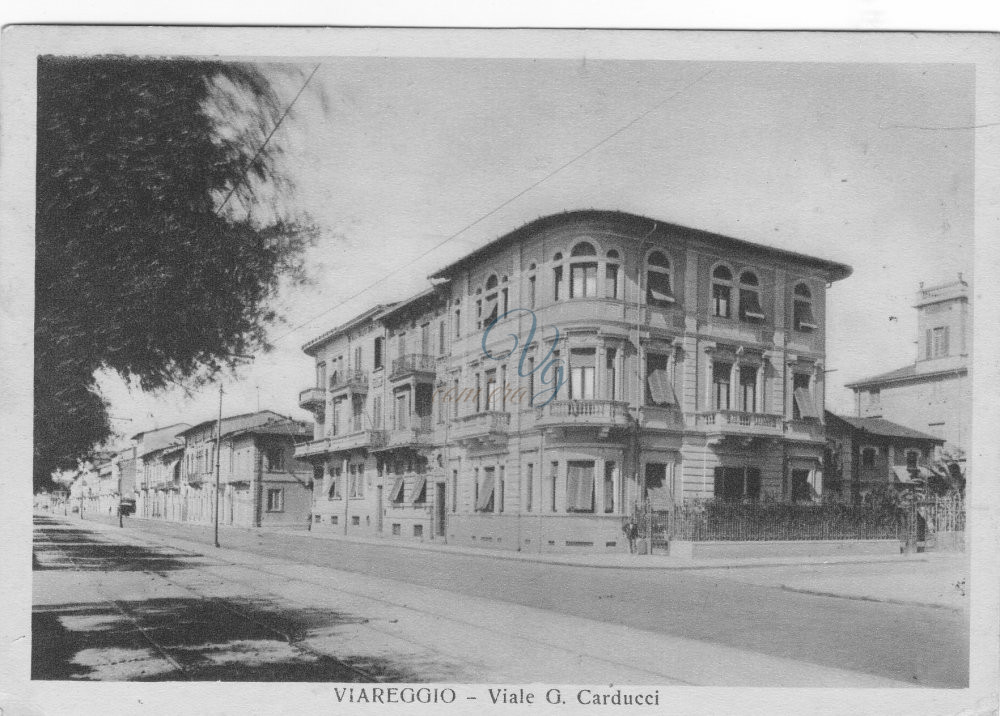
<point x="499" y="371"/>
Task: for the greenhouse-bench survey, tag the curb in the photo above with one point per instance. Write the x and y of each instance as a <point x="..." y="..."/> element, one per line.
<point x="863" y="598"/>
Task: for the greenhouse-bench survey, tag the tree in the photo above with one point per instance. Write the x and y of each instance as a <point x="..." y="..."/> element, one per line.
<point x="160" y="233"/>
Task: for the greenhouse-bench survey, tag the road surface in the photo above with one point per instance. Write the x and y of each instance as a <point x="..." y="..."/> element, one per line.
<point x="157" y="601"/>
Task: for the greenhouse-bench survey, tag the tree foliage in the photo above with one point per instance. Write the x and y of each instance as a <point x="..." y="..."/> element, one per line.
<point x="137" y="269"/>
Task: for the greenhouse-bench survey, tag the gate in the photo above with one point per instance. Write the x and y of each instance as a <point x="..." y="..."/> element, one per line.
<point x="654" y="527"/>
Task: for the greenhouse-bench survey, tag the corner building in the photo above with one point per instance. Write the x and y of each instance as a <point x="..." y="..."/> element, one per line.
<point x="691" y="365"/>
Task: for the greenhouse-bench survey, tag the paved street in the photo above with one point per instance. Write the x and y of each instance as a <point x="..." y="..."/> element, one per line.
<point x="156" y="601"/>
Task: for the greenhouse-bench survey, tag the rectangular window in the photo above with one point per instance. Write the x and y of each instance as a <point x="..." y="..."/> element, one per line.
<point x="336" y="426"/>
<point x="275" y="500"/>
<point x="609" y="487"/>
<point x="748" y="388"/>
<point x="553" y="477"/>
<point x="868" y="457"/>
<point x="486" y="500"/>
<point x="583" y="280"/>
<point x="720" y="300"/>
<point x="275" y="458"/>
<point x="458" y="323"/>
<point x="454" y="490"/>
<point x="357" y="484"/>
<point x="500" y="489"/>
<point x="357" y="358"/>
<point x="356" y="520"/>
<point x="720" y="385"/>
<point x="377" y="412"/>
<point x="531" y="381"/>
<point x="504" y="293"/>
<point x="529" y="485"/>
<point x="478" y="391"/>
<point x="475" y="487"/>
<point x="378" y="351"/>
<point x="491" y="386"/>
<point x="425" y="339"/>
<point x="396" y="527"/>
<point x="941" y="342"/>
<point x="611" y="281"/>
<point x="441" y="338"/>
<point x="557" y="279"/>
<point x="912" y="457"/>
<point x="454" y="405"/>
<point x="479" y="314"/>
<point x="611" y="390"/>
<point x="736" y="483"/>
<point x="321" y="374"/>
<point x="531" y="292"/>
<point x="581" y="376"/>
<point x="503" y="387"/>
<point x="580" y="486"/>
<point x="401" y="345"/>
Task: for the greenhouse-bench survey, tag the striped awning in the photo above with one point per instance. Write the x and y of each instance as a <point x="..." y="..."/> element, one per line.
<point x="485" y="493"/>
<point x="396" y="495"/>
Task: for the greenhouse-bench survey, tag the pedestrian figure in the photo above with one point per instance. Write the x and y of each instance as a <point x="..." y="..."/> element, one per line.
<point x="631" y="530"/>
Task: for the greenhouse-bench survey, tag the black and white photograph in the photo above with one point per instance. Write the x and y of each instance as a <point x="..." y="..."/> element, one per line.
<point x="500" y="370"/>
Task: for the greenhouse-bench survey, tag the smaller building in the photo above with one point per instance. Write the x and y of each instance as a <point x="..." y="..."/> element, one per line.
<point x="864" y="454"/>
<point x="261" y="483"/>
<point x="933" y="394"/>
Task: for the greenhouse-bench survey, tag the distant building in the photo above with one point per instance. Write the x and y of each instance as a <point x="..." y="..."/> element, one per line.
<point x="148" y="467"/>
<point x="865" y="453"/>
<point x="261" y="482"/>
<point x="932" y="395"/>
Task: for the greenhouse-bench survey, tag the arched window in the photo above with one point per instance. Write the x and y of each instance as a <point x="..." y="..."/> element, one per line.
<point x="802" y="313"/>
<point x="750" y="308"/>
<point x="722" y="292"/>
<point x="611" y="275"/>
<point x="659" y="291"/>
<point x="583" y="274"/>
<point x="531" y="286"/>
<point x="557" y="277"/>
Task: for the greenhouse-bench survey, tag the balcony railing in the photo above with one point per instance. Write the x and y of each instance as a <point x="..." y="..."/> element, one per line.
<point x="412" y="363"/>
<point x="740" y="422"/>
<point x="312" y="399"/>
<point x="420" y="431"/>
<point x="481" y="426"/>
<point x="605" y="413"/>
<point x="355" y="380"/>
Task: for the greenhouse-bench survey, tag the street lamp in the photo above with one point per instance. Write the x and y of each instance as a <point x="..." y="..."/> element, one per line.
<point x="218" y="452"/>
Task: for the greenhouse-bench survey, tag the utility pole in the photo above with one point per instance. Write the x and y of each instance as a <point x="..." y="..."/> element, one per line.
<point x="218" y="454"/>
<point x="218" y="451"/>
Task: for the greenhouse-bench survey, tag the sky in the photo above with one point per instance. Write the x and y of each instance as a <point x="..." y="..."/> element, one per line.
<point x="407" y="164"/>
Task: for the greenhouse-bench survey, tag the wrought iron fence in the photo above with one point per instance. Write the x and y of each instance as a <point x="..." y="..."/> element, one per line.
<point x="718" y="520"/>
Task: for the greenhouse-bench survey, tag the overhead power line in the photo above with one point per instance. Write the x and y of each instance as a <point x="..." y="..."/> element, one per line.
<point x="507" y="202"/>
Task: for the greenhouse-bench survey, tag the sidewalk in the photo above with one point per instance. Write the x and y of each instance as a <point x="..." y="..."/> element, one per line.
<point x="618" y="560"/>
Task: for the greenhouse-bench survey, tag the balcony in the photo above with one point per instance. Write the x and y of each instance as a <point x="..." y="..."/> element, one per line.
<point x="737" y="422"/>
<point x="419" y="434"/>
<point x="312" y="448"/>
<point x="661" y="418"/>
<point x="313" y="400"/>
<point x="481" y="428"/>
<point x="354" y="380"/>
<point x="413" y="364"/>
<point x="811" y="430"/>
<point x="351" y="441"/>
<point x="603" y="414"/>
<point x="737" y="331"/>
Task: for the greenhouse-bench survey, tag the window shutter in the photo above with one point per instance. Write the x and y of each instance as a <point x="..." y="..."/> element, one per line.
<point x="719" y="481"/>
<point x="418" y="487"/>
<point x="397" y="491"/>
<point x="928" y="345"/>
<point x="804" y="400"/>
<point x="944" y="342"/>
<point x="485" y="493"/>
<point x="660" y="388"/>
